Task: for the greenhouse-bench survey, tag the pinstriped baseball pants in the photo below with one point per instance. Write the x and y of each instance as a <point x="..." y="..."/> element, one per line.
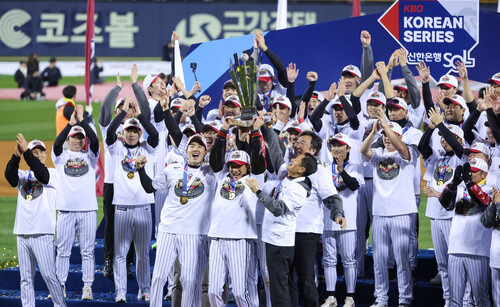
<point x="83" y="224"/>
<point x="38" y="249"/>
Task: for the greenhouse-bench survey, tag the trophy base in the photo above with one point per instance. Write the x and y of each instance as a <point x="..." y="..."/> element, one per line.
<point x="246" y="118"/>
<point x="241" y="123"/>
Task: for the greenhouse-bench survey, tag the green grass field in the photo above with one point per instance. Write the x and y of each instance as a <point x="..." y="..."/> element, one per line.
<point x="35" y="119"/>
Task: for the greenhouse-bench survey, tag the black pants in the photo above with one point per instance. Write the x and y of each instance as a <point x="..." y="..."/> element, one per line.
<point x="280" y="266"/>
<point x="306" y="245"/>
<point x="109" y="227"/>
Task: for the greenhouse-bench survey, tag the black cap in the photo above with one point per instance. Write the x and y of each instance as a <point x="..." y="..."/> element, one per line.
<point x="53" y="59"/>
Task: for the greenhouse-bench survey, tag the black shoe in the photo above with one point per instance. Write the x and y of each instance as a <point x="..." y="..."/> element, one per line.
<point x="129" y="271"/>
<point x="107" y="271"/>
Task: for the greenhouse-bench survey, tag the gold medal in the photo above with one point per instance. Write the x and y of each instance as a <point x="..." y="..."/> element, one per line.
<point x="440" y="182"/>
<point x="29" y="196"/>
<point x="130" y="175"/>
<point x="231" y="195"/>
<point x="184" y="200"/>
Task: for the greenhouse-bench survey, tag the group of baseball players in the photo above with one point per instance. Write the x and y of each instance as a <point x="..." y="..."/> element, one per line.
<point x="226" y="199"/>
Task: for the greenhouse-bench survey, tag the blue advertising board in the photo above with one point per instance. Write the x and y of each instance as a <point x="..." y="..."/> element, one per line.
<point x="142" y="29"/>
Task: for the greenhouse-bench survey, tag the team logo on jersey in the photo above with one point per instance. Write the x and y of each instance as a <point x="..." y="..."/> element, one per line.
<point x="128" y="164"/>
<point x="76" y="167"/>
<point x="442" y="174"/>
<point x="194" y="190"/>
<point x="36" y="190"/>
<point x="226" y="191"/>
<point x="387" y="169"/>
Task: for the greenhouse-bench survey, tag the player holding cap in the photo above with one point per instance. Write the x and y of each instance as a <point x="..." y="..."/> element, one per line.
<point x="35" y="221"/>
<point x="469" y="248"/>
<point x="233" y="228"/>
<point x="347" y="177"/>
<point x="394" y="169"/>
<point x="184" y="224"/>
<point x="133" y="219"/>
<point x="77" y="215"/>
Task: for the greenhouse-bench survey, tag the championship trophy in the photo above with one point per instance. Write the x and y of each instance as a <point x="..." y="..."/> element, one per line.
<point x="244" y="78"/>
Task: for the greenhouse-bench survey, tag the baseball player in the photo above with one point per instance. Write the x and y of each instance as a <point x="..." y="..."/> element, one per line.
<point x="280" y="221"/>
<point x="133" y="220"/>
<point x="184" y="221"/>
<point x="111" y="105"/>
<point x="397" y="110"/>
<point x="35" y="221"/>
<point x="469" y="247"/>
<point x="491" y="218"/>
<point x="347" y="178"/>
<point x="233" y="228"/>
<point x="441" y="163"/>
<point x="76" y="215"/>
<point x="394" y="168"/>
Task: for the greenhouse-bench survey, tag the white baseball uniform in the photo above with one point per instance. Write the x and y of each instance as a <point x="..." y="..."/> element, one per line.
<point x="76" y="215"/>
<point x="393" y="202"/>
<point x="336" y="240"/>
<point x="232" y="230"/>
<point x="183" y="229"/>
<point x="34" y="226"/>
<point x="133" y="220"/>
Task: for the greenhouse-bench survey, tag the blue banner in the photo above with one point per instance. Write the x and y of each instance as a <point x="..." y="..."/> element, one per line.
<point x="142" y="29"/>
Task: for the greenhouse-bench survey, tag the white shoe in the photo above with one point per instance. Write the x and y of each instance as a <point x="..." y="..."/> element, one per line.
<point x="331" y="301"/>
<point x="120" y="298"/>
<point x="142" y="296"/>
<point x="87" y="293"/>
<point x="377" y="304"/>
<point x="349" y="302"/>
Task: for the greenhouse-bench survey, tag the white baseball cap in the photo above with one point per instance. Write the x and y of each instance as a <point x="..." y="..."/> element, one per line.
<point x="209" y="126"/>
<point x="378" y="97"/>
<point x="318" y="96"/>
<point x="132" y="122"/>
<point x="397" y="102"/>
<point x="495" y="79"/>
<point x="76" y="130"/>
<point x="479" y="147"/>
<point x="284" y="101"/>
<point x="456" y="99"/>
<point x="177" y="102"/>
<point x="188" y="127"/>
<point x="477" y="165"/>
<point x="239" y="157"/>
<point x="295" y="126"/>
<point x="456" y="130"/>
<point x="402" y="87"/>
<point x="233" y="99"/>
<point x="396" y="128"/>
<point x="448" y="81"/>
<point x="199" y="137"/>
<point x="119" y="102"/>
<point x="36" y="144"/>
<point x="266" y="72"/>
<point x="342" y="138"/>
<point x="149" y="79"/>
<point x="352" y="70"/>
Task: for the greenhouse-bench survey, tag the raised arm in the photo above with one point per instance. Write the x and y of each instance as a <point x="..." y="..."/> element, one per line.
<point x="367" y="56"/>
<point x="424" y="71"/>
<point x="218" y="152"/>
<point x="39" y="169"/>
<point x="320" y="109"/>
<point x="106" y="110"/>
<point x="450" y="138"/>
<point x="258" y="150"/>
<point x="411" y="83"/>
<point x="467" y="91"/>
